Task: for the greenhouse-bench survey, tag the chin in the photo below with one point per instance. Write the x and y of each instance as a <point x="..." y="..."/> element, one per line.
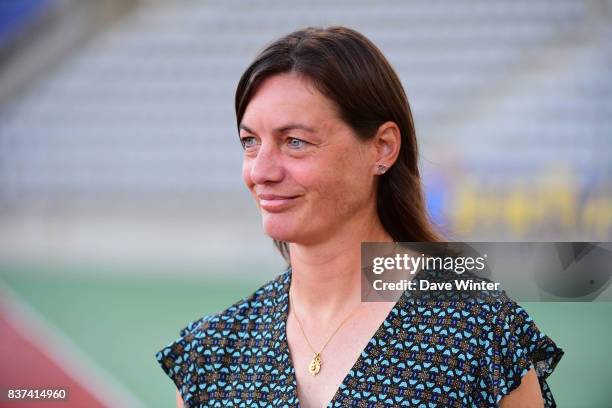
<point x="280" y="230"/>
<point x="280" y="234"/>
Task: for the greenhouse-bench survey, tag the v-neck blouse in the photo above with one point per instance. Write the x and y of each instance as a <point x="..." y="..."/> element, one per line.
<point x="433" y="354"/>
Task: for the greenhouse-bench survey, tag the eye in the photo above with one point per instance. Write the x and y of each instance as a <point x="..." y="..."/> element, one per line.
<point x="295" y="143"/>
<point x="248" y="141"/>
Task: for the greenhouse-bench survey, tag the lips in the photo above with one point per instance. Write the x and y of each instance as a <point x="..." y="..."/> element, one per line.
<point x="276" y="202"/>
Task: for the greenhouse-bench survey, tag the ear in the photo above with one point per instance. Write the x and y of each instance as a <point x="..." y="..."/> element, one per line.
<point x="387" y="142"/>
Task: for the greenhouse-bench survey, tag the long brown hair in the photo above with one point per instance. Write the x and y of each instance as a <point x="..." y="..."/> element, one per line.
<point x="350" y="70"/>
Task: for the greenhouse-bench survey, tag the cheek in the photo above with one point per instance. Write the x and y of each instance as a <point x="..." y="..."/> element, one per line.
<point x="345" y="187"/>
<point x="352" y="194"/>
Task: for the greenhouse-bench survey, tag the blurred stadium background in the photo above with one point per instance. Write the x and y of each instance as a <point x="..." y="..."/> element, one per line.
<point x="122" y="211"/>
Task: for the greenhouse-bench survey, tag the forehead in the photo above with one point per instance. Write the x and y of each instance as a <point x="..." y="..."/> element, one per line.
<point x="285" y="97"/>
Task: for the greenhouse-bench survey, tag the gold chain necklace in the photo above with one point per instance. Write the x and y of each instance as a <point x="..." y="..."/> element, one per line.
<point x="315" y="364"/>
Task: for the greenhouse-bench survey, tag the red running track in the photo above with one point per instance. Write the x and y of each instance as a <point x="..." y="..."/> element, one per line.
<point x="24" y="364"/>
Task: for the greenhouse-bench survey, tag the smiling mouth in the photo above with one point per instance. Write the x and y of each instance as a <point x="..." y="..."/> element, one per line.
<point x="273" y="203"/>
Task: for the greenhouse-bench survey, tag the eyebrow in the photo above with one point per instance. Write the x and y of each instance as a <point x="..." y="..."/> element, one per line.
<point x="283" y="129"/>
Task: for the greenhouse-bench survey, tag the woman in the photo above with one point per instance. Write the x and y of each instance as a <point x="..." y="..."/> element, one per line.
<point x="330" y="156"/>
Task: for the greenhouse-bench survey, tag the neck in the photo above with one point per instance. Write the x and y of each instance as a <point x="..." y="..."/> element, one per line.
<point x="326" y="277"/>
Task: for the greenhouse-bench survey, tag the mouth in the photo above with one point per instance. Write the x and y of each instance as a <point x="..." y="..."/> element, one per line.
<point x="275" y="203"/>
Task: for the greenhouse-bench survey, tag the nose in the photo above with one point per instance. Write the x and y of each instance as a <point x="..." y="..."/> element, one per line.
<point x="266" y="167"/>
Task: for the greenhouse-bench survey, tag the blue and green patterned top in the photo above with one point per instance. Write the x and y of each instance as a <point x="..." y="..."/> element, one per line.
<point x="435" y="354"/>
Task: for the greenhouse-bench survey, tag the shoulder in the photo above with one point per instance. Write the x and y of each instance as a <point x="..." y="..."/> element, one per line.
<point x="211" y="347"/>
<point x="254" y="309"/>
<point x="471" y="295"/>
<point x="487" y="318"/>
<point x="489" y="338"/>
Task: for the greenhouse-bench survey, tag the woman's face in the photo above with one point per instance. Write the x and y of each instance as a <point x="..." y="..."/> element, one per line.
<point x="309" y="174"/>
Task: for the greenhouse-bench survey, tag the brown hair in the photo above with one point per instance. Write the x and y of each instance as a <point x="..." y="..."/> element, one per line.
<point x="350" y="70"/>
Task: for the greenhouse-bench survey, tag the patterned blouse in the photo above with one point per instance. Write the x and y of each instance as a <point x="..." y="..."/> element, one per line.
<point x="436" y="354"/>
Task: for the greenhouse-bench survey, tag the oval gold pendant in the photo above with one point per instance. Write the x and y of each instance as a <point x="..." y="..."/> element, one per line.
<point x="315" y="365"/>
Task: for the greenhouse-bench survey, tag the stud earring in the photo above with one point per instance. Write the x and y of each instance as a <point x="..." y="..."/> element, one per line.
<point x="380" y="169"/>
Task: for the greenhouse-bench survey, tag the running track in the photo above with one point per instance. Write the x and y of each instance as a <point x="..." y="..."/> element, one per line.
<point x="34" y="354"/>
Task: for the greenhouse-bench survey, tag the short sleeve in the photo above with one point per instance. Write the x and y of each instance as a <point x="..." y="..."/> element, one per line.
<point x="178" y="360"/>
<point x="516" y="346"/>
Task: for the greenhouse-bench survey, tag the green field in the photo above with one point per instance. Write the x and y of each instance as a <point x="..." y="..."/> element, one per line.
<point x="122" y="320"/>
